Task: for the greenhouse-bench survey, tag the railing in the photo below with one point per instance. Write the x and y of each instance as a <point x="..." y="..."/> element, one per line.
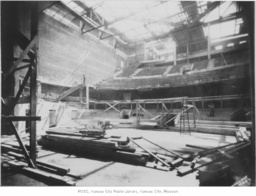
<point x="217" y="74"/>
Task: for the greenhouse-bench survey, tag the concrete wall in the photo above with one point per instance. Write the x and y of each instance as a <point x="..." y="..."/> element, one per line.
<point x="64" y="54"/>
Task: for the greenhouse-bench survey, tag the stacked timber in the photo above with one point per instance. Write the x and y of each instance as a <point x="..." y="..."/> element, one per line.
<point x="208" y="157"/>
<point x="46" y="172"/>
<point x="72" y="142"/>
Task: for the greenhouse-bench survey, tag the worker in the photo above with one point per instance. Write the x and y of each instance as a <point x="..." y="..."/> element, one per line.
<point x="211" y="106"/>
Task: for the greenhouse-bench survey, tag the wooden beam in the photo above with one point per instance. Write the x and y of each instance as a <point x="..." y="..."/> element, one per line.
<point x="172" y="152"/>
<point x="21" y="118"/>
<point x="68" y="92"/>
<point x="16" y="99"/>
<point x="22" y="67"/>
<point x="24" y="150"/>
<point x="156" y="157"/>
<point x="112" y="106"/>
<point x="33" y="80"/>
<point x="23" y="54"/>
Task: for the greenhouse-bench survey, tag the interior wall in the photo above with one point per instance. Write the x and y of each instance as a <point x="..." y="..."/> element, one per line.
<point x="64" y="54"/>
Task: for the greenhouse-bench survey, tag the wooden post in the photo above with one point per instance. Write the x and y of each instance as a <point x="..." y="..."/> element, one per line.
<point x="157" y="106"/>
<point x="33" y="82"/>
<point x="194" y="115"/>
<point x="16" y="90"/>
<point x="137" y="114"/>
<point x="81" y="94"/>
<point x="39" y="89"/>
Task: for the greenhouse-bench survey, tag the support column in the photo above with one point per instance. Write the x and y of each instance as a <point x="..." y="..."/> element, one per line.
<point x="39" y="89"/>
<point x="33" y="81"/>
<point x="175" y="55"/>
<point x="81" y="95"/>
<point x="16" y="90"/>
<point x="209" y="41"/>
<point x="188" y="53"/>
<point x="87" y="94"/>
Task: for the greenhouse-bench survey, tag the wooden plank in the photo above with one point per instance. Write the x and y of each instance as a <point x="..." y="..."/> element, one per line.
<point x="21" y="118"/>
<point x="61" y="169"/>
<point x="16" y="155"/>
<point x="6" y="148"/>
<point x="199" y="147"/>
<point x="209" y="159"/>
<point x="156" y="157"/>
<point x="16" y="163"/>
<point x="83" y="140"/>
<point x="69" y="91"/>
<point x="58" y="168"/>
<point x="64" y="133"/>
<point x="170" y="151"/>
<point x="48" y="178"/>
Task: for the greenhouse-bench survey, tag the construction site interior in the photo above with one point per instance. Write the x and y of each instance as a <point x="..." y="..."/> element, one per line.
<point x="127" y="93"/>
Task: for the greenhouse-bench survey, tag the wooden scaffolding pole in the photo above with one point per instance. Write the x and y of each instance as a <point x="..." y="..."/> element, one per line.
<point x="33" y="81"/>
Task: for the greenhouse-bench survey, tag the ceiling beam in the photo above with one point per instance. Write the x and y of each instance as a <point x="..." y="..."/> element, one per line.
<point x="74" y="13"/>
<point x="212" y="6"/>
<point x="125" y="17"/>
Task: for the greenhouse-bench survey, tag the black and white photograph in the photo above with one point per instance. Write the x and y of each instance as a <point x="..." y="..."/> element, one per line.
<point x="129" y="94"/>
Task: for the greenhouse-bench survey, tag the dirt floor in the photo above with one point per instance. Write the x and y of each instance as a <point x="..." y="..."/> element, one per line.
<point x="97" y="172"/>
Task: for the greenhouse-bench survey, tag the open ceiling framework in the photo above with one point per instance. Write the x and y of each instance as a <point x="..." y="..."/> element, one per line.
<point x="130" y="22"/>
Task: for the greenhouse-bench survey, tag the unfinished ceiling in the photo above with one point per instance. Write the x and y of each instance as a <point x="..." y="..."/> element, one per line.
<point x="130" y="22"/>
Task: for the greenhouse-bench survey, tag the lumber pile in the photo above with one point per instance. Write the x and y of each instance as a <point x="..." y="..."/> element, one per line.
<point x="73" y="142"/>
<point x="48" y="173"/>
<point x="211" y="156"/>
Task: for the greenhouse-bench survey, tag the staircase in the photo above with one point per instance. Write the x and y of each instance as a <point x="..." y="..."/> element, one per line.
<point x="167" y="70"/>
<point x="210" y="64"/>
<point x="68" y="92"/>
<point x="136" y="72"/>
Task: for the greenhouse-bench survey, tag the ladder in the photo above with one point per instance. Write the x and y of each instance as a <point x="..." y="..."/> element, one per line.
<point x="184" y="115"/>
